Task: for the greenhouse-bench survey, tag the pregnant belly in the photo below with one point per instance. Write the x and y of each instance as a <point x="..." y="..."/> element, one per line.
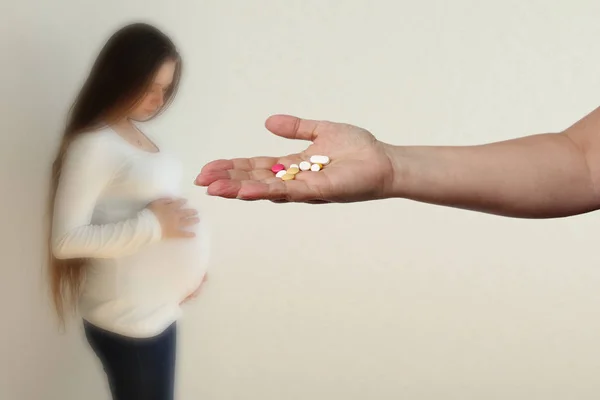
<point x="170" y="270"/>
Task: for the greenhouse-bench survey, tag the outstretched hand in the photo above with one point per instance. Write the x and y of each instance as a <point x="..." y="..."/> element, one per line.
<point x="360" y="167"/>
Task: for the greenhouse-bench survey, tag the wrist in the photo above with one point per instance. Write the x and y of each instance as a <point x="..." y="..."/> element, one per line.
<point x="399" y="161"/>
<point x="154" y="223"/>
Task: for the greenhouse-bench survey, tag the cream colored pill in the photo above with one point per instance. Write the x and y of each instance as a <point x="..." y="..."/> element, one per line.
<point x="294" y="166"/>
<point x="293" y="170"/>
<point x="315" y="167"/>
<point x="280" y="174"/>
<point x="304" y="166"/>
<point x="323" y="160"/>
<point x="288" y="177"/>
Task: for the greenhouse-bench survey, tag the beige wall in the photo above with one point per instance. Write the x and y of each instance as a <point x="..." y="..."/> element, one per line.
<point x="389" y="300"/>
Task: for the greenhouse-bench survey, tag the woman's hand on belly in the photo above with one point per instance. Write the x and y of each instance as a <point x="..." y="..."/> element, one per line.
<point x="173" y="218"/>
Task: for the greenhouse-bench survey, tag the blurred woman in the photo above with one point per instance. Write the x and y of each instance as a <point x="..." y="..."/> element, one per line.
<point x="125" y="250"/>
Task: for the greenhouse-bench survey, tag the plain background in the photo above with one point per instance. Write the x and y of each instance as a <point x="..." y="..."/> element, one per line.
<point x="387" y="300"/>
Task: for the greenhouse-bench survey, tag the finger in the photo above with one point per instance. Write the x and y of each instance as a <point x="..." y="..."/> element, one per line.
<point x="189" y="221"/>
<point x="186" y="234"/>
<point x="242" y="164"/>
<point x="246" y="190"/>
<point x="205" y="178"/>
<point x="225" y="188"/>
<point x="210" y="178"/>
<point x="316" y="202"/>
<point x="291" y="127"/>
<point x="278" y="190"/>
<point x="237" y="175"/>
<point x="188" y="212"/>
<point x="220" y="169"/>
<point x="178" y="203"/>
<point x="163" y="200"/>
<point x="241" y="168"/>
<point x="217" y="165"/>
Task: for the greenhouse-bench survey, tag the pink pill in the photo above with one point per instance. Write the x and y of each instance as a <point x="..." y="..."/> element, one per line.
<point x="277" y="167"/>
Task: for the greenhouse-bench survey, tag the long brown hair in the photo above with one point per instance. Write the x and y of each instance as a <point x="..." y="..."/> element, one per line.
<point x="118" y="81"/>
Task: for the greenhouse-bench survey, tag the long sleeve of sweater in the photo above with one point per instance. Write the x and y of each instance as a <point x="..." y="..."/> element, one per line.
<point x="91" y="163"/>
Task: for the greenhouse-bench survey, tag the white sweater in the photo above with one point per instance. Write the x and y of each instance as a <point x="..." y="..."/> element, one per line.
<point x="134" y="279"/>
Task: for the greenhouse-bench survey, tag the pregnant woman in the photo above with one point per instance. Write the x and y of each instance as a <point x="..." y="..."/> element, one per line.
<point x="125" y="250"/>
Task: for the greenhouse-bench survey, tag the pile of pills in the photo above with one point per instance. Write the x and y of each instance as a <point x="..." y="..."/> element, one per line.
<point x="315" y="164"/>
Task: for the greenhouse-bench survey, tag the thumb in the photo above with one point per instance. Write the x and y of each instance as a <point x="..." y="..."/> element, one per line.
<point x="291" y="127"/>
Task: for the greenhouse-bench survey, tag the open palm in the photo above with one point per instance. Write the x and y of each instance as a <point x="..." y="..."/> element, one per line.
<point x="359" y="169"/>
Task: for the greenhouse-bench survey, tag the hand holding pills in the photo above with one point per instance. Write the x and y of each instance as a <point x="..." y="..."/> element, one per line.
<point x="545" y="175"/>
<point x="344" y="163"/>
<point x="316" y="164"/>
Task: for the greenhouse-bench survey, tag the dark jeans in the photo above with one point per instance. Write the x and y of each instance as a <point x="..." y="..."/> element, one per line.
<point x="136" y="369"/>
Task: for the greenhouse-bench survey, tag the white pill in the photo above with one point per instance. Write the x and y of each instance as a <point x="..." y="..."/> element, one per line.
<point x="315" y="167"/>
<point x="304" y="166"/>
<point x="280" y="174"/>
<point x="294" y="166"/>
<point x="323" y="160"/>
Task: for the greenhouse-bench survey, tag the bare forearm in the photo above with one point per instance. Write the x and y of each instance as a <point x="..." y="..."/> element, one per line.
<point x="540" y="176"/>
